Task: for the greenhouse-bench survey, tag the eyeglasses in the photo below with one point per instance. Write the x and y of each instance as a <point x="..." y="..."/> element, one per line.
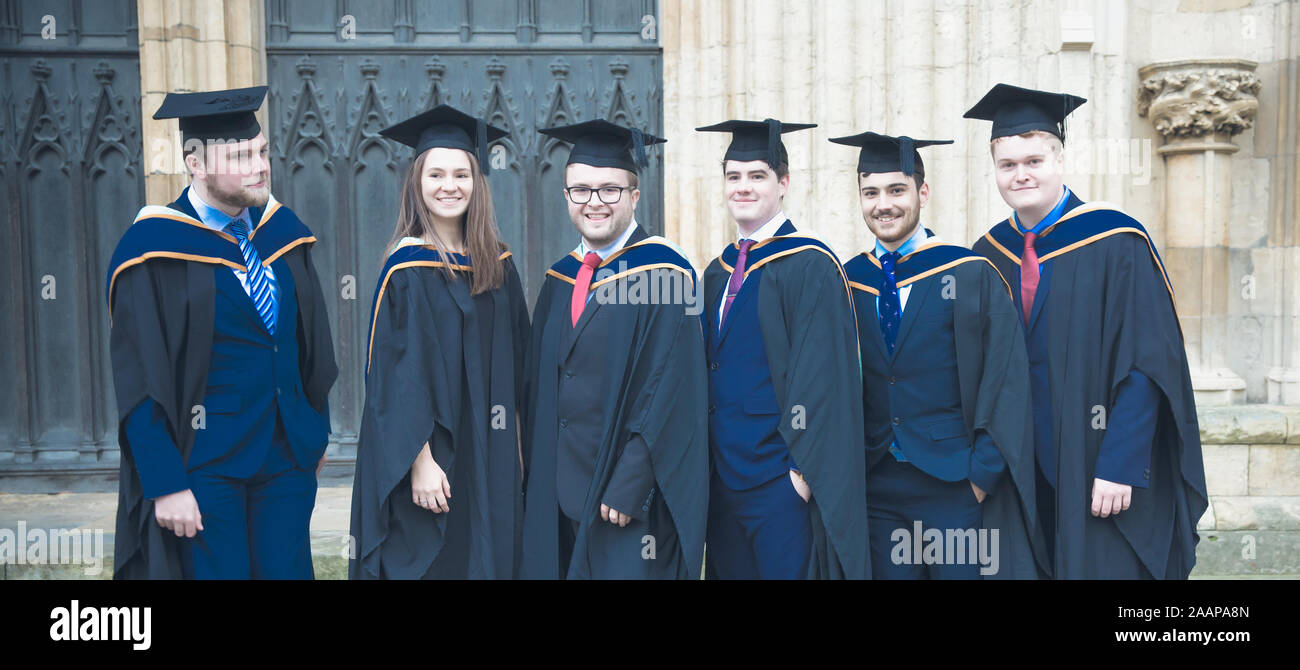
<point x="581" y="195"/>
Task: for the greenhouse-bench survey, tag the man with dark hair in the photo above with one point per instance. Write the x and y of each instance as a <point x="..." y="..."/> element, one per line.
<point x="1121" y="483"/>
<point x="785" y="385"/>
<point x="222" y="363"/>
<point x="945" y="388"/>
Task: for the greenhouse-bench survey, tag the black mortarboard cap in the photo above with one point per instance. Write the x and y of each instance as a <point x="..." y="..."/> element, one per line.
<point x="882" y="153"/>
<point x="215" y="115"/>
<point x="1014" y="110"/>
<point x="604" y="144"/>
<point x="447" y="127"/>
<point x="756" y="140"/>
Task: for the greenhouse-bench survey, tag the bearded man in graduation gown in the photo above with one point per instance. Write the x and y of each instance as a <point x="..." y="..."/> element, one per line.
<point x="787" y="497"/>
<point x="945" y="389"/>
<point x="617" y="460"/>
<point x="437" y="488"/>
<point x="222" y="363"/>
<point x="1121" y="483"/>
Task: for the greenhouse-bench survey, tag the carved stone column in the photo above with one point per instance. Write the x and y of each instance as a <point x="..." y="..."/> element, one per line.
<point x="1198" y="106"/>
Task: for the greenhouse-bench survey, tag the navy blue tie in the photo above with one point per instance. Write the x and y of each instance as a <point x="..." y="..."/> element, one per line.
<point x="262" y="288"/>
<point x="891" y="310"/>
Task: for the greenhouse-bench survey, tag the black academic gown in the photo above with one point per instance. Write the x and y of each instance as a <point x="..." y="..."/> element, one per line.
<point x="1110" y="310"/>
<point x="161" y="292"/>
<point x="427" y="381"/>
<point x="657" y="391"/>
<point x="993" y="375"/>
<point x="810" y="336"/>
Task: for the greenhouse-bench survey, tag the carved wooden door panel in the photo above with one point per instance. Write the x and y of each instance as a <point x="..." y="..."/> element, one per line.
<point x="70" y="153"/>
<point x="341" y="71"/>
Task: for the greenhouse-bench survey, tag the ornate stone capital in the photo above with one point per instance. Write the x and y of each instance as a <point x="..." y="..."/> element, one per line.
<point x="1200" y="102"/>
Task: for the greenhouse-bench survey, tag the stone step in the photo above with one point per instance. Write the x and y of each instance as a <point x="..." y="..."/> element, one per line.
<point x="1267" y="554"/>
<point x="328" y="556"/>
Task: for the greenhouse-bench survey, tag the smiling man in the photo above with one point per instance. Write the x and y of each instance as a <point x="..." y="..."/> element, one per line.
<point x="1121" y="483"/>
<point x="617" y="460"/>
<point x="222" y="363"/>
<point x="785" y="384"/>
<point x="945" y="385"/>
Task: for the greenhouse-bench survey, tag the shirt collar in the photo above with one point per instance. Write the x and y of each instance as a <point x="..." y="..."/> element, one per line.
<point x="918" y="237"/>
<point x="211" y="216"/>
<point x="1052" y="216"/>
<point x="768" y="229"/>
<point x="615" y="246"/>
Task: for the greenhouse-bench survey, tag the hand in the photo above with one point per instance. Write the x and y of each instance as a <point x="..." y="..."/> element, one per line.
<point x="321" y="464"/>
<point x="179" y="513"/>
<point x="614" y="516"/>
<point x="800" y="486"/>
<point x="980" y="495"/>
<point x="430" y="487"/>
<point x="1109" y="498"/>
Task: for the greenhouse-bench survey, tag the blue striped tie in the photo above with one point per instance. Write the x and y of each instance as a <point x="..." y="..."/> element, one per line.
<point x="262" y="288"/>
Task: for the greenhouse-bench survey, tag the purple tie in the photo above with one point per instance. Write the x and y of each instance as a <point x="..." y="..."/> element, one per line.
<point x="737" y="277"/>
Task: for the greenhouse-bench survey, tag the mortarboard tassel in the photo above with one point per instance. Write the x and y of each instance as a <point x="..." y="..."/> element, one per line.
<point x="906" y="153"/>
<point x="485" y="162"/>
<point x="773" y="142"/>
<point x="638" y="148"/>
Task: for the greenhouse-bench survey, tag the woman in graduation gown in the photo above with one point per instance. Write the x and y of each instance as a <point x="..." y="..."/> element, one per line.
<point x="436" y="493"/>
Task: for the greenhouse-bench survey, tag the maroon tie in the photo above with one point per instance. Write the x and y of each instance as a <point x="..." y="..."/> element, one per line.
<point x="737" y="277"/>
<point x="1028" y="275"/>
<point x="582" y="286"/>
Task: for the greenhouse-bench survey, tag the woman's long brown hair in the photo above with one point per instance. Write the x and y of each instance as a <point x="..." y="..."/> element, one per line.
<point x="478" y="226"/>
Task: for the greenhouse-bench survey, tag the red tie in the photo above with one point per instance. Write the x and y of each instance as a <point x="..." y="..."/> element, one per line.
<point x="583" y="285"/>
<point x="1028" y="275"/>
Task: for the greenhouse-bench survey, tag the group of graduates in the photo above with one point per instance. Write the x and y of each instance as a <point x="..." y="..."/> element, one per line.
<point x="798" y="416"/>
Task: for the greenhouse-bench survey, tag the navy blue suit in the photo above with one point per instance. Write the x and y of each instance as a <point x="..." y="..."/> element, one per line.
<point x="920" y="459"/>
<point x="759" y="526"/>
<point x="252" y="465"/>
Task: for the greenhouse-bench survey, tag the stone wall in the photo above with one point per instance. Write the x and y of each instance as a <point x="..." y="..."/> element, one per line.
<point x="1252" y="472"/>
<point x="914" y="67"/>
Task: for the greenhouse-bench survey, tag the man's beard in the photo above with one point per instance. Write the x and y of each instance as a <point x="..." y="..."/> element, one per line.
<point x="907" y="229"/>
<point x="618" y="226"/>
<point x="241" y="197"/>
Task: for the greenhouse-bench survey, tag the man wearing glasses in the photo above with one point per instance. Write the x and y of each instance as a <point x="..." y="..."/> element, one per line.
<point x="617" y="455"/>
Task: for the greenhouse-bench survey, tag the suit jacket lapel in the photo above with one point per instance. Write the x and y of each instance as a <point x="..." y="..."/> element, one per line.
<point x="1040" y="296"/>
<point x="228" y="283"/>
<point x="877" y="337"/>
<point x="636" y="236"/>
<point x="747" y="288"/>
<point x="588" y="312"/>
<point x="713" y="299"/>
<point x="915" y="304"/>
